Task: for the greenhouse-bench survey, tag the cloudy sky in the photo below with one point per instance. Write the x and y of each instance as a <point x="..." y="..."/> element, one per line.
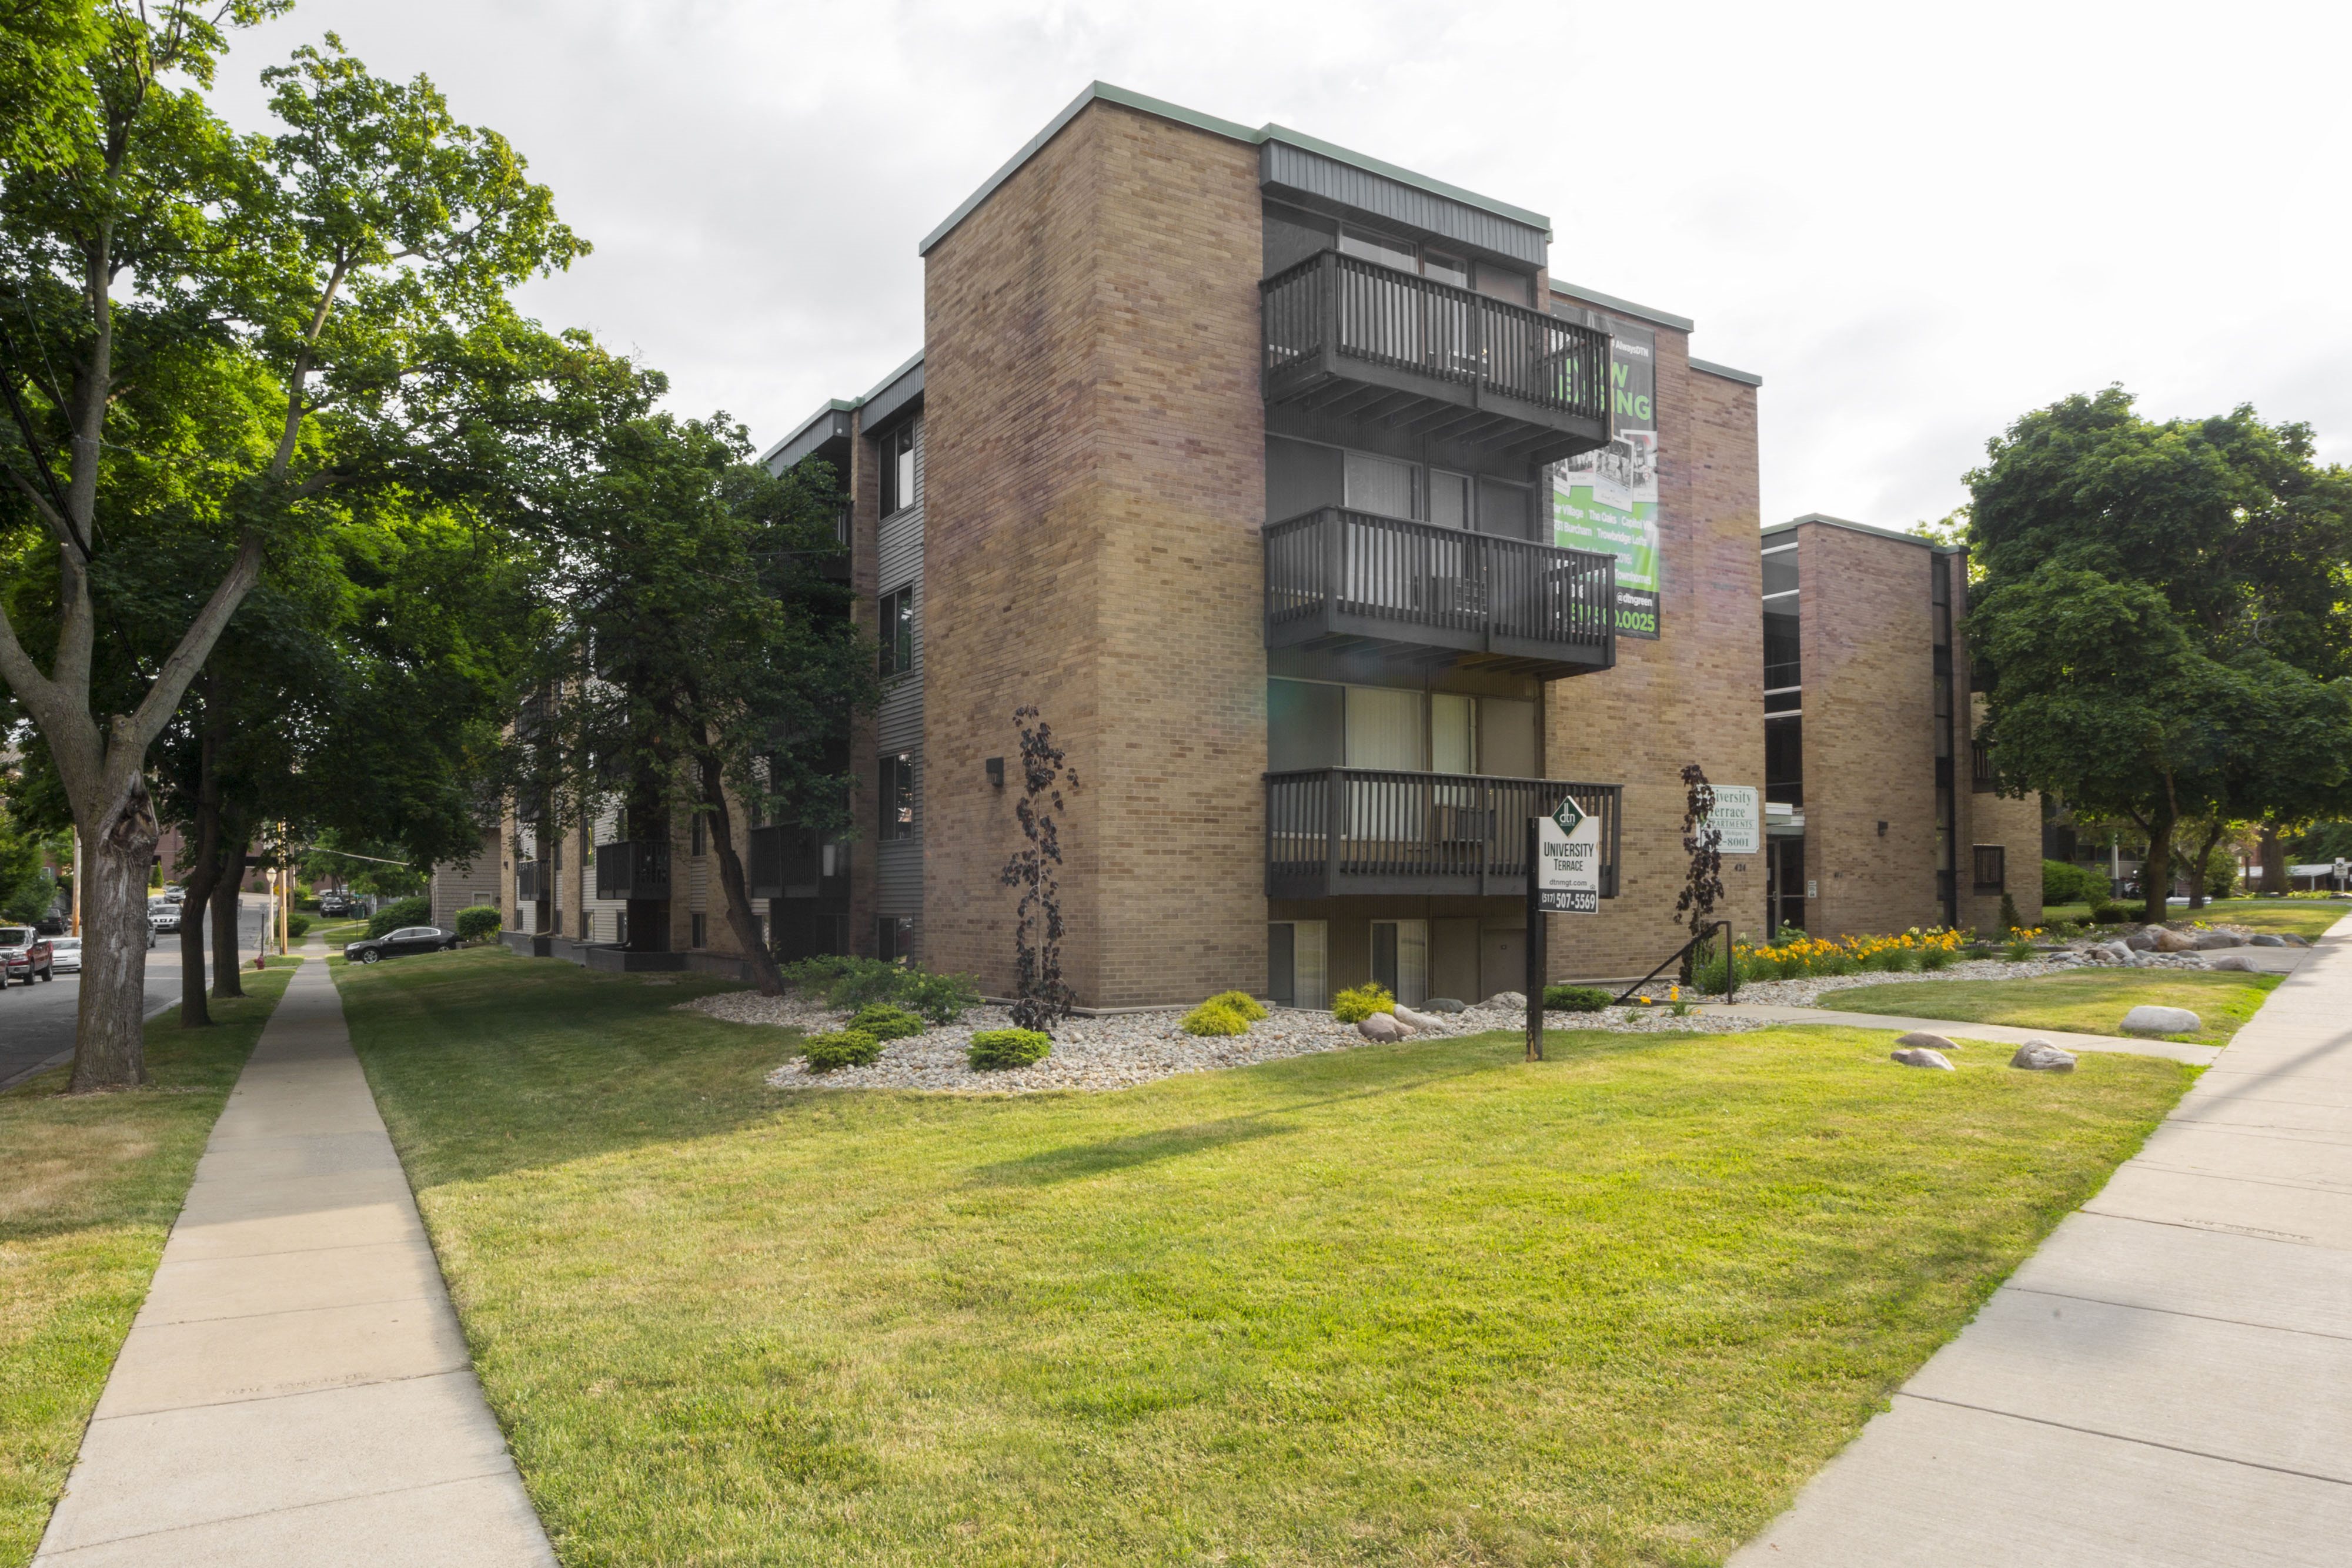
<point x="1914" y="222"/>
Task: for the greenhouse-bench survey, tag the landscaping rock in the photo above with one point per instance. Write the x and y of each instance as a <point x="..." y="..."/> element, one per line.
<point x="2292" y="940"/>
<point x="2142" y="941"/>
<point x="2149" y="1020"/>
<point x="1510" y="1001"/>
<point x="2171" y="941"/>
<point x="1446" y="1005"/>
<point x="1381" y="1027"/>
<point x="2218" y="937"/>
<point x="1413" y="1021"/>
<point x="1920" y="1039"/>
<point x="2266" y="939"/>
<point x="2237" y="963"/>
<point x="2040" y="1056"/>
<point x="1918" y="1056"/>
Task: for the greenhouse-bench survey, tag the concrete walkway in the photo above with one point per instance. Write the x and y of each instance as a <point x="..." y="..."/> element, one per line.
<point x="2169" y="1380"/>
<point x="295" y="1391"/>
<point x="1953" y="1030"/>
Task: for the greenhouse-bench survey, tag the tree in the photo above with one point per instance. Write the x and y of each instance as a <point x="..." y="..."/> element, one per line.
<point x="705" y="660"/>
<point x="352" y="271"/>
<point x="1041" y="997"/>
<point x="2162" y="609"/>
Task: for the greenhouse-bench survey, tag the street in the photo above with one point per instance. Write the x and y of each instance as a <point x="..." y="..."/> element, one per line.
<point x="36" y="1021"/>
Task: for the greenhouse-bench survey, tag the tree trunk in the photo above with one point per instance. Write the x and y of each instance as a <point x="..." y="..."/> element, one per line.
<point x="204" y="872"/>
<point x="110" y="1049"/>
<point x="2274" y="853"/>
<point x="2196" y="899"/>
<point x="2155" y="871"/>
<point x="732" y="883"/>
<point x="228" y="981"/>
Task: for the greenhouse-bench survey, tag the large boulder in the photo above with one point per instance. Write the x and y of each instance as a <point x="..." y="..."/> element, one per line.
<point x="1382" y="1026"/>
<point x="1445" y="1005"/>
<point x="1920" y="1039"/>
<point x="1919" y="1056"/>
<point x="2238" y="963"/>
<point x="2142" y="941"/>
<point x="1413" y="1021"/>
<point x="2293" y="940"/>
<point x="2168" y="940"/>
<point x="2218" y="937"/>
<point x="2040" y="1056"/>
<point x="2148" y="1018"/>
<point x="1510" y="1001"/>
<point x="2266" y="939"/>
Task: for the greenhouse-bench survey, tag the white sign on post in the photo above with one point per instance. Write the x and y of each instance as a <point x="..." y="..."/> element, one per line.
<point x="1568" y="862"/>
<point x="1740" y="818"/>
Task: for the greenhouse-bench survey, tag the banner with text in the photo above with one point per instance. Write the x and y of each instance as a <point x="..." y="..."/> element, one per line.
<point x="1607" y="499"/>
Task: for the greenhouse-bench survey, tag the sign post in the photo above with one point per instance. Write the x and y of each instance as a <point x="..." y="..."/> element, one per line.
<point x="1563" y="878"/>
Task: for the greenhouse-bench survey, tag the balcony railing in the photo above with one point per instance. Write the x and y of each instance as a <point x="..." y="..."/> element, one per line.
<point x="1339" y="577"/>
<point x="1357" y="338"/>
<point x="1339" y="830"/>
<point x="794" y="862"/>
<point x="531" y="881"/>
<point x="633" y="868"/>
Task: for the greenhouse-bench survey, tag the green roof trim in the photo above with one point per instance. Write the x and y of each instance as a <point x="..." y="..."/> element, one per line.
<point x="1623" y="307"/>
<point x="1749" y="377"/>
<point x="1825" y="520"/>
<point x="1231" y="131"/>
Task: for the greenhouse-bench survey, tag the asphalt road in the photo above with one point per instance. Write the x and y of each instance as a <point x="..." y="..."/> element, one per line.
<point x="36" y="1021"/>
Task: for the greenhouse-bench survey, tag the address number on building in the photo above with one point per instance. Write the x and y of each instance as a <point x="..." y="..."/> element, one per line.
<point x="1568" y="862"/>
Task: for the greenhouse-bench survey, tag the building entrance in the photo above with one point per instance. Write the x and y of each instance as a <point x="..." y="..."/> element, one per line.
<point x="1784" y="882"/>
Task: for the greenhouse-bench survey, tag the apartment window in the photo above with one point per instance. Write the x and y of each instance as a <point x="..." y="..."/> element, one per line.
<point x="1386" y="249"/>
<point x="1316" y="724"/>
<point x="1401" y="959"/>
<point x="1983" y="777"/>
<point x="896" y="451"/>
<point x="1784" y="760"/>
<point x="699" y="936"/>
<point x="1783" y="669"/>
<point x="899" y="632"/>
<point x="893" y="938"/>
<point x="1992" y="868"/>
<point x="1440" y="268"/>
<point x="898" y="791"/>
<point x="695" y="834"/>
<point x="1452" y="503"/>
<point x="1382" y="485"/>
<point x="1296" y="963"/>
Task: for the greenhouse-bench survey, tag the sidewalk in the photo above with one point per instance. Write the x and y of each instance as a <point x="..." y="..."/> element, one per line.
<point x="295" y="1391"/>
<point x="2169" y="1380"/>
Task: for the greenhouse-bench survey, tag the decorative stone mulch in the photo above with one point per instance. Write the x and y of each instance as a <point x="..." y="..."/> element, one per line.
<point x="1123" y="1050"/>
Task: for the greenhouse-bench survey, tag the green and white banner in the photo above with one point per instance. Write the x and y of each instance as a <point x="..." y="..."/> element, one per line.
<point x="1607" y="499"/>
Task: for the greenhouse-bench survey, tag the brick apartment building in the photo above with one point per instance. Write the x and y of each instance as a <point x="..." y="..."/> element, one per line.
<point x="1874" y="820"/>
<point x="1262" y="468"/>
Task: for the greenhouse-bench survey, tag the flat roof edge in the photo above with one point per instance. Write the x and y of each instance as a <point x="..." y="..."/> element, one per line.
<point x="1611" y="302"/>
<point x="1747" y="378"/>
<point x="1231" y="131"/>
<point x="1851" y="527"/>
<point x="832" y="406"/>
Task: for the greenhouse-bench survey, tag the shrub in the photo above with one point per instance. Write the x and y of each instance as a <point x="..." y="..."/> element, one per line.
<point x="2010" y="919"/>
<point x="1215" y="1015"/>
<point x="2107" y="913"/>
<point x="2019" y="946"/>
<point x="885" y="1021"/>
<point x="1582" y="998"/>
<point x="479" y="921"/>
<point x="2063" y="881"/>
<point x="296" y="926"/>
<point x="400" y="912"/>
<point x="1933" y="959"/>
<point x="1358" y="1003"/>
<point x="1241" y="1003"/>
<point x="993" y="1050"/>
<point x="942" y="999"/>
<point x="2221" y="872"/>
<point x="841" y="981"/>
<point x="842" y="1047"/>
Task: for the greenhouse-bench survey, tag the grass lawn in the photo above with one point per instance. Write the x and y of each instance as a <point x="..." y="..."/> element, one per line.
<point x="2300" y="916"/>
<point x="2061" y="914"/>
<point x="1420" y="1303"/>
<point x="89" y="1188"/>
<point x="336" y="932"/>
<point x="2087" y="1002"/>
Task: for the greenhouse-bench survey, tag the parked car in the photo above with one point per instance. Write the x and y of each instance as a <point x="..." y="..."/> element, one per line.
<point x="162" y="916"/>
<point x="24" y="955"/>
<point x="407" y="939"/>
<point x="66" y="953"/>
<point x="339" y="905"/>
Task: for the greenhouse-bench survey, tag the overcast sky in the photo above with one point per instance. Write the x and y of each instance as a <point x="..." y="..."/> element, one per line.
<point x="1914" y="222"/>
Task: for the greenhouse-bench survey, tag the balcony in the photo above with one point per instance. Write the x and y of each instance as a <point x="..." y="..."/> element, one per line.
<point x="794" y="862"/>
<point x="1350" y="338"/>
<point x="1341" y="580"/>
<point x="1341" y="831"/>
<point x="531" y="881"/>
<point x="633" y="868"/>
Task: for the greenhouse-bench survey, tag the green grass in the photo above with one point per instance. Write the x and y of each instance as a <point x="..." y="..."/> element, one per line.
<point x="2061" y="914"/>
<point x="2087" y="1001"/>
<point x="339" y="932"/>
<point x="1421" y="1303"/>
<point x="2296" y="917"/>
<point x="89" y="1188"/>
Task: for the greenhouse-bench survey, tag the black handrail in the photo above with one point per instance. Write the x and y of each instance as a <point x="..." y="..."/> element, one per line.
<point x="1707" y="934"/>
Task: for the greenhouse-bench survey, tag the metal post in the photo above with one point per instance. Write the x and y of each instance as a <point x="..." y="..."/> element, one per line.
<point x="1534" y="946"/>
<point x="1731" y="965"/>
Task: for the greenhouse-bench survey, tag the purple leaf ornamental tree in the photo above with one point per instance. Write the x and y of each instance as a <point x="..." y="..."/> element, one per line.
<point x="1704" y="845"/>
<point x="1040" y="996"/>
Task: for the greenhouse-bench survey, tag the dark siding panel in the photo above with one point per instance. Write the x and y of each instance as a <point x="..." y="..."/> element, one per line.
<point x="1287" y="168"/>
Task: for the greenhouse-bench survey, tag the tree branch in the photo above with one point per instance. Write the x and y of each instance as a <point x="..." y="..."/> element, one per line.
<point x="196" y="644"/>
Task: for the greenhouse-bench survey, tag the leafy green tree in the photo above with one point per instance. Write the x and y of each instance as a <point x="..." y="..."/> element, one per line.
<point x="2163" y="610"/>
<point x="708" y="661"/>
<point x="350" y="275"/>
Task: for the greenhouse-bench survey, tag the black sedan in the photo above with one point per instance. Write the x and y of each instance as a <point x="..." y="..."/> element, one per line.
<point x="407" y="939"/>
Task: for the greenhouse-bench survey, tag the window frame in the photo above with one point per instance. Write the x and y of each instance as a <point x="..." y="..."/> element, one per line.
<point x="895" y="791"/>
<point x="897" y="632"/>
<point x="1998" y="862"/>
<point x="890" y="446"/>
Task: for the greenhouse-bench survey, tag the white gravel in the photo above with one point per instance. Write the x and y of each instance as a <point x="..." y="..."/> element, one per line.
<point x="1809" y="993"/>
<point x="1123" y="1050"/>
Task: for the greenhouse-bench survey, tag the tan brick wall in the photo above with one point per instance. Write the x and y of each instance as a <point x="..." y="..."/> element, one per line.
<point x="1694" y="696"/>
<point x="2015" y="824"/>
<point x="1095" y="488"/>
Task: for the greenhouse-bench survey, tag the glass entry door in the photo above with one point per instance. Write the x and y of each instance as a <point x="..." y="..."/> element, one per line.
<point x="1784" y="882"/>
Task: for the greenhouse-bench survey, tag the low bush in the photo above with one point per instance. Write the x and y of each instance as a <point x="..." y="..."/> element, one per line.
<point x="479" y="921"/>
<point x="1891" y="960"/>
<point x="841" y="981"/>
<point x="942" y="999"/>
<point x="1933" y="959"/>
<point x="1215" y="1015"/>
<point x="995" y="1049"/>
<point x="2009" y="918"/>
<point x="296" y="926"/>
<point x="886" y="1020"/>
<point x="400" y="912"/>
<point x="2107" y="913"/>
<point x="2019" y="946"/>
<point x="1358" y="1003"/>
<point x="2063" y="881"/>
<point x="1241" y="1003"/>
<point x="1583" y="999"/>
<point x="842" y="1047"/>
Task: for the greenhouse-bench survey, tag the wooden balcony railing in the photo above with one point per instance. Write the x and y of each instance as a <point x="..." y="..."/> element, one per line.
<point x="637" y="868"/>
<point x="1336" y="831"/>
<point x="1339" y="576"/>
<point x="1532" y="382"/>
